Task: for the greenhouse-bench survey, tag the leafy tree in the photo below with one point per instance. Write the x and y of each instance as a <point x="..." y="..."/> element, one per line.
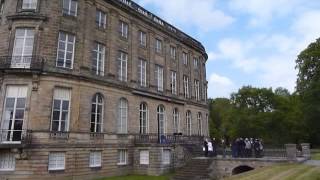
<point x="308" y="87"/>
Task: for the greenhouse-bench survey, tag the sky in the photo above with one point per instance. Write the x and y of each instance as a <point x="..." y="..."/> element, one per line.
<point x="249" y="42"/>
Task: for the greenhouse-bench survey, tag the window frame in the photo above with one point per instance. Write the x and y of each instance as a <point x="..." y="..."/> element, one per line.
<point x="142" y="72"/>
<point x="7" y="159"/>
<point x="34" y="5"/>
<point x="158" y="46"/>
<point x="176" y="120"/>
<point x="199" y="122"/>
<point x="122" y="63"/>
<point x="102" y="17"/>
<point x="122" y="116"/>
<point x="100" y="54"/>
<point x="143" y="112"/>
<point x="173" y="83"/>
<point x="65" y="50"/>
<point x="67" y="121"/>
<point x="95" y="159"/>
<point x="186" y="87"/>
<point x="122" y="152"/>
<point x="197" y="89"/>
<point x="2" y="3"/>
<point x="144" y="157"/>
<point x="189" y="123"/>
<point x="185" y="58"/>
<point x="96" y="103"/>
<point x="173" y="52"/>
<point x="143" y="38"/>
<point x="161" y="119"/>
<point x="159" y="77"/>
<point x="166" y="157"/>
<point x="56" y="155"/>
<point x="68" y="12"/>
<point x="124" y="29"/>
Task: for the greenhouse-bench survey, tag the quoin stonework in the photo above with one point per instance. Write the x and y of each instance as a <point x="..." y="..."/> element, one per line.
<point x="94" y="88"/>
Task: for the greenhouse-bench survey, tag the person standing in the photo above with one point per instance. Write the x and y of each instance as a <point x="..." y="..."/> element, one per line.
<point x="210" y="149"/>
<point x="224" y="146"/>
<point x="205" y="147"/>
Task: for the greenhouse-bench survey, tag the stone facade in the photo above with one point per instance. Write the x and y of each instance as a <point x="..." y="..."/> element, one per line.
<point x="41" y="76"/>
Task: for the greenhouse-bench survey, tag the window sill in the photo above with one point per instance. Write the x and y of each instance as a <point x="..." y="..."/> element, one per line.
<point x="56" y="170"/>
<point x="7" y="170"/>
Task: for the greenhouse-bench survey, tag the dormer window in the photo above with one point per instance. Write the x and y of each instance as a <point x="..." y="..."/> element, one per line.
<point x="29" y="4"/>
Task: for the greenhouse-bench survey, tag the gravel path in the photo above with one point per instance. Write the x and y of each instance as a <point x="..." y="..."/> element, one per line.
<point x="313" y="162"/>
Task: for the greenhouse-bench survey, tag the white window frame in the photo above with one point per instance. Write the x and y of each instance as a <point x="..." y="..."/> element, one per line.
<point x="185" y="58"/>
<point x="101" y="19"/>
<point x="122" y="66"/>
<point x="122" y="157"/>
<point x="8" y="130"/>
<point x="161" y="118"/>
<point x="1" y="6"/>
<point x="57" y="161"/>
<point x="158" y="46"/>
<point x="199" y="119"/>
<point x="67" y="10"/>
<point x="173" y="52"/>
<point x="176" y="120"/>
<point x="197" y="89"/>
<point x="7" y="161"/>
<point x="97" y="104"/>
<point x="144" y="157"/>
<point x="122" y="119"/>
<point x="144" y="123"/>
<point x="124" y="29"/>
<point x="98" y="51"/>
<point x="166" y="156"/>
<point x="159" y="78"/>
<point x="67" y="93"/>
<point x="189" y="123"/>
<point x="95" y="159"/>
<point x="173" y="82"/>
<point x="186" y="86"/>
<point x="23" y="59"/>
<point x="143" y="38"/>
<point x="29" y="4"/>
<point x="142" y="72"/>
<point x="196" y="63"/>
<point x="65" y="51"/>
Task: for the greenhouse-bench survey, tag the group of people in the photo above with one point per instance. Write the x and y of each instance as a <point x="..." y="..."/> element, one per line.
<point x="247" y="148"/>
<point x="240" y="147"/>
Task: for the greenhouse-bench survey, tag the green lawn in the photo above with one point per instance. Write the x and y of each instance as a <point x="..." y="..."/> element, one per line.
<point x="281" y="172"/>
<point x="315" y="156"/>
<point x="135" y="177"/>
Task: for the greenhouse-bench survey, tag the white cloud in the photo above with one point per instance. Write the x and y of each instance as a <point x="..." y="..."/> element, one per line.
<point x="262" y="11"/>
<point x="220" y="86"/>
<point x="212" y="56"/>
<point x="202" y="15"/>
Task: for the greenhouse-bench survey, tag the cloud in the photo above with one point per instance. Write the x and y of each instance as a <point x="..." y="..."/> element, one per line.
<point x="263" y="11"/>
<point x="202" y="15"/>
<point x="220" y="86"/>
<point x="212" y="56"/>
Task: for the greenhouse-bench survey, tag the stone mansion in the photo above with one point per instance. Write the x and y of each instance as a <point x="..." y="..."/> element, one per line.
<point x="95" y="88"/>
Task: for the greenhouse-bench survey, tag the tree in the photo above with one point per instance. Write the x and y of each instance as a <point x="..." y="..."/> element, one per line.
<point x="308" y="87"/>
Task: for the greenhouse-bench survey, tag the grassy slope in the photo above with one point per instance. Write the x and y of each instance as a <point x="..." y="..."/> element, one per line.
<point x="282" y="172"/>
<point x="134" y="177"/>
<point x="315" y="156"/>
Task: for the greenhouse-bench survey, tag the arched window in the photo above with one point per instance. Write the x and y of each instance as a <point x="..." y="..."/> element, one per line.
<point x="176" y="120"/>
<point x="188" y="123"/>
<point x="143" y="116"/>
<point x="161" y="119"/>
<point x="199" y="119"/>
<point x="96" y="114"/>
<point x="122" y="118"/>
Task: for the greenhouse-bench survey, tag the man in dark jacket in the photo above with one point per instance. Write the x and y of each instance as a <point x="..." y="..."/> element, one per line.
<point x="205" y="146"/>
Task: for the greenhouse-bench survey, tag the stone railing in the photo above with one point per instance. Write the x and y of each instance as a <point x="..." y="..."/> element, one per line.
<point x="34" y="63"/>
<point x="166" y="139"/>
<point x="15" y="138"/>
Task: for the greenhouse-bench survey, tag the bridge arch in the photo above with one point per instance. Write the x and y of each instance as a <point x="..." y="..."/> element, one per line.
<point x="241" y="169"/>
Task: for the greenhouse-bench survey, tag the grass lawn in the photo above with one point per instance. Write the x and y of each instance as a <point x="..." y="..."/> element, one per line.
<point x="315" y="156"/>
<point x="281" y="172"/>
<point x="135" y="177"/>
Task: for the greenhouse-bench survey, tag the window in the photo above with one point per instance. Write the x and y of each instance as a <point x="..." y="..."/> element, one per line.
<point x="207" y="124"/>
<point x="188" y="123"/>
<point x="60" y="110"/>
<point x="7" y="162"/>
<point x="1" y="6"/>
<point x="97" y="114"/>
<point x="161" y="120"/>
<point x="22" y="48"/>
<point x="173" y="52"/>
<point x="95" y="159"/>
<point x="144" y="157"/>
<point x="176" y="120"/>
<point x="122" y="66"/>
<point x="185" y="58"/>
<point x="65" y="54"/>
<point x="199" y="118"/>
<point x="158" y="46"/>
<point x="186" y="86"/>
<point x="101" y="19"/>
<point x="196" y="63"/>
<point x="143" y="38"/>
<point x="123" y="29"/>
<point x="14" y="113"/>
<point x="143" y="114"/>
<point x="205" y="96"/>
<point x="166" y="156"/>
<point x="98" y="59"/>
<point x="70" y="7"/>
<point x="56" y="161"/>
<point x="159" y="77"/>
<point x="122" y="116"/>
<point x="173" y="83"/>
<point x="197" y="89"/>
<point x="122" y="157"/>
<point x="142" y="71"/>
<point x="29" y="4"/>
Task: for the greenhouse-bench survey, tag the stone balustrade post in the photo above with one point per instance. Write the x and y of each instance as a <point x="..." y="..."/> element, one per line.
<point x="291" y="151"/>
<point x="306" y="150"/>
